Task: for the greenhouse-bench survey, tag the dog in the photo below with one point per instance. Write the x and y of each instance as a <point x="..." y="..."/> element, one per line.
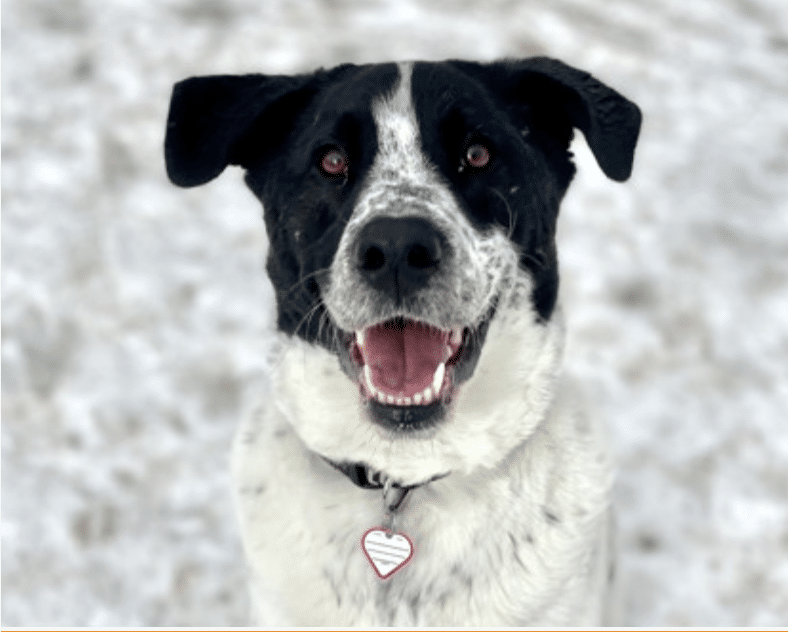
<point x="418" y="458"/>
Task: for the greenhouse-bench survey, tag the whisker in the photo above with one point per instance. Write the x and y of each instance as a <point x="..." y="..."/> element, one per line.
<point x="304" y="322"/>
<point x="293" y="288"/>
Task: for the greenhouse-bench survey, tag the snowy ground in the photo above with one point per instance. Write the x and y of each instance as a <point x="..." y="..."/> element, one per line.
<point x="135" y="315"/>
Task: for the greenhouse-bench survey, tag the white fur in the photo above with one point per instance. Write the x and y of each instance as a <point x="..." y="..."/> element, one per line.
<point x="302" y="521"/>
<point x="515" y="535"/>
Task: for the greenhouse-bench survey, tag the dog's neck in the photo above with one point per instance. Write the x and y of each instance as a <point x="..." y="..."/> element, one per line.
<point x="367" y="478"/>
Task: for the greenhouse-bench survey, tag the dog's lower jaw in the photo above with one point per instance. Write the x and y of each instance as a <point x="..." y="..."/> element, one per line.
<point x="495" y="410"/>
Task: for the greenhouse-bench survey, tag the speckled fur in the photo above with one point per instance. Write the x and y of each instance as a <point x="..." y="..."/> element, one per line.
<point x="401" y="183"/>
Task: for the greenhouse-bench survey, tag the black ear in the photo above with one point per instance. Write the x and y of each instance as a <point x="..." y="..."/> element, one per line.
<point x="210" y="118"/>
<point x="559" y="93"/>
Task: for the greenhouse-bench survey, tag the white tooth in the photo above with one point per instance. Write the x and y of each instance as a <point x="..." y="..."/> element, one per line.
<point x="368" y="379"/>
<point x="360" y="337"/>
<point x="427" y="395"/>
<point x="399" y="401"/>
<point x="456" y="336"/>
<point x="417" y="398"/>
<point x="437" y="380"/>
<point x="381" y="397"/>
<point x="390" y="399"/>
<point x="406" y="401"/>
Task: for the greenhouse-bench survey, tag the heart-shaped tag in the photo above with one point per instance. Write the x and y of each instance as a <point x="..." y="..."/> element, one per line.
<point x="386" y="552"/>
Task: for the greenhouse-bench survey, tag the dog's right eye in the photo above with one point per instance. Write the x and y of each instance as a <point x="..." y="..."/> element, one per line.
<point x="334" y="163"/>
<point x="477" y="156"/>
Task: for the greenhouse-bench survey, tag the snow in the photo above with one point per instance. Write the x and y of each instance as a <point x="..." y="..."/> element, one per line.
<point x="137" y="318"/>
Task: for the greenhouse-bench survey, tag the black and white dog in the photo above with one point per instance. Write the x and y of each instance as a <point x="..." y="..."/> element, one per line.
<point x="417" y="460"/>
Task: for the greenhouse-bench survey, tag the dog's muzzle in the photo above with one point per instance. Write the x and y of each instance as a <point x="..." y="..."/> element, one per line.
<point x="407" y="369"/>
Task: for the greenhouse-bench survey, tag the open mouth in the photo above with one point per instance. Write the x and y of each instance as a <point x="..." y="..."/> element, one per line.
<point x="406" y="362"/>
<point x="408" y="370"/>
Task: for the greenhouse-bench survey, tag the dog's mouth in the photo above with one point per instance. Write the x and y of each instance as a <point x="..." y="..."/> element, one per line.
<point x="404" y="362"/>
<point x="408" y="371"/>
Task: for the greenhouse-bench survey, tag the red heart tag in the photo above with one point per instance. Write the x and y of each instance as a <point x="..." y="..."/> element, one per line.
<point x="386" y="552"/>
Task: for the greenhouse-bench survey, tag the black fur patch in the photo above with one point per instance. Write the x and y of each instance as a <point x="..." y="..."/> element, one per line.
<point x="278" y="128"/>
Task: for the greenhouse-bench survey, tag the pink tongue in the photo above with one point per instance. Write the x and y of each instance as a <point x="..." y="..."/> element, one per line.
<point x="403" y="359"/>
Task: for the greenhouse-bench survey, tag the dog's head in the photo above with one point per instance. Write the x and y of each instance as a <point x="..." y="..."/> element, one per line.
<point x="411" y="211"/>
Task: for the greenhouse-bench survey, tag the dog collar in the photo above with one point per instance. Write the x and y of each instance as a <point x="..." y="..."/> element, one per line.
<point x="386" y="550"/>
<point x="367" y="478"/>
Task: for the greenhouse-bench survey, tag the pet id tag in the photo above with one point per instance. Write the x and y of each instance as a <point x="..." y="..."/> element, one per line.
<point x="386" y="550"/>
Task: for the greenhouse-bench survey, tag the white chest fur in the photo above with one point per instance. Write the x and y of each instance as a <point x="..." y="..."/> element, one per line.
<point x="524" y="543"/>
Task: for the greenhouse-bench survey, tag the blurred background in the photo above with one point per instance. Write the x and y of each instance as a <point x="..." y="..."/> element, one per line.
<point x="136" y="316"/>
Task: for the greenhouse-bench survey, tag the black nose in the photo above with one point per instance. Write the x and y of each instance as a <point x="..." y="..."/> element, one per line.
<point x="399" y="255"/>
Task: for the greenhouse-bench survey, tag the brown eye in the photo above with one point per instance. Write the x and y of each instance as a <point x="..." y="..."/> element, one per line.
<point x="477" y="156"/>
<point x="334" y="163"/>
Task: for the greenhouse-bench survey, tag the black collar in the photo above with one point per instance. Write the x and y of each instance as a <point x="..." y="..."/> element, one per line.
<point x="367" y="478"/>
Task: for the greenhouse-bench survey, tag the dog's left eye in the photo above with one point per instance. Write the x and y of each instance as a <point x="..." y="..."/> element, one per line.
<point x="334" y="163"/>
<point x="477" y="156"/>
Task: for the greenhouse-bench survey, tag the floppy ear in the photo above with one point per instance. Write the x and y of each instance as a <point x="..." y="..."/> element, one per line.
<point x="609" y="122"/>
<point x="561" y="97"/>
<point x="211" y="117"/>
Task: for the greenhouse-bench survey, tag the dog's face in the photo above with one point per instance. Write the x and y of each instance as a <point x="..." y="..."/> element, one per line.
<point x="411" y="212"/>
